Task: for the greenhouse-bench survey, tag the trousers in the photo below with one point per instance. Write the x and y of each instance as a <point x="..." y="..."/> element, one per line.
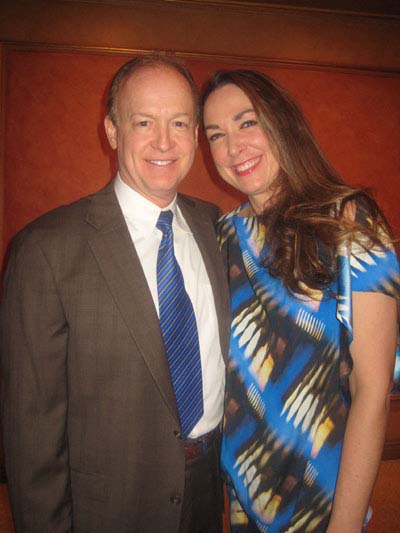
<point x="202" y="504"/>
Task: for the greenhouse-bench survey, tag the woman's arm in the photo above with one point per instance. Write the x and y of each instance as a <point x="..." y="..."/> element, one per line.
<point x="372" y="350"/>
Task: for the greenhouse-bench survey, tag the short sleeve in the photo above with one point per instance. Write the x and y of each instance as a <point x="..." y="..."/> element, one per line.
<point x="363" y="270"/>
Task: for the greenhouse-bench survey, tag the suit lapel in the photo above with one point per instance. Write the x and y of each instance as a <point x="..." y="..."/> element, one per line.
<point x="119" y="263"/>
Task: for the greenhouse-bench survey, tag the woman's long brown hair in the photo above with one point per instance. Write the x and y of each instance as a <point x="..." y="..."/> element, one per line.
<point x="306" y="217"/>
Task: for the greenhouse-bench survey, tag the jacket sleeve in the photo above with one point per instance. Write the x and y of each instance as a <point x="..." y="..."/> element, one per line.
<point x="34" y="336"/>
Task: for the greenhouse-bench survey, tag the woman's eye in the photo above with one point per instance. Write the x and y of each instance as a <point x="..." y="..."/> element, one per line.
<point x="143" y="123"/>
<point x="248" y="123"/>
<point x="214" y="137"/>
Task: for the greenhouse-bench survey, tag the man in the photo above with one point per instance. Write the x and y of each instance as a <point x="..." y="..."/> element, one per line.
<point x="96" y="438"/>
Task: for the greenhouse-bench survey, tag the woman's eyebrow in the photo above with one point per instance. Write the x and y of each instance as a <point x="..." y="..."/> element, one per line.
<point x="235" y="118"/>
<point x="240" y="115"/>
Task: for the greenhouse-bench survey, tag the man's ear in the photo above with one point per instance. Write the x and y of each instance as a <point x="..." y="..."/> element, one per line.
<point x="196" y="135"/>
<point x="111" y="132"/>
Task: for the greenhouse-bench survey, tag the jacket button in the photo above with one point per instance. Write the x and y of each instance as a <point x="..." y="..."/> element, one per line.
<point x="176" y="500"/>
<point x="178" y="434"/>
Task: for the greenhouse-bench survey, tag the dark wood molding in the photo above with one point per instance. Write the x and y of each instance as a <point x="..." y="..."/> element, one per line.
<point x="2" y="143"/>
<point x="231" y="29"/>
<point x="346" y="8"/>
<point x="392" y="445"/>
<point x="391" y="450"/>
<point x="197" y="56"/>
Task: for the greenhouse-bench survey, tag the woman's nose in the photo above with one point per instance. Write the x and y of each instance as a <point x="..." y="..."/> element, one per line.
<point x="235" y="144"/>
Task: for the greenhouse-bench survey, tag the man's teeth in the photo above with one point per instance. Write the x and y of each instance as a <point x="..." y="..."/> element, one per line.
<point x="161" y="162"/>
<point x="247" y="165"/>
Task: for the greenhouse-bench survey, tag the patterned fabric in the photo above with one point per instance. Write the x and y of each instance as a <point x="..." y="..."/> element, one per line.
<point x="179" y="330"/>
<point x="287" y="388"/>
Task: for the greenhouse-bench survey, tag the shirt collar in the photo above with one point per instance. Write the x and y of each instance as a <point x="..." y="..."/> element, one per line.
<point x="143" y="213"/>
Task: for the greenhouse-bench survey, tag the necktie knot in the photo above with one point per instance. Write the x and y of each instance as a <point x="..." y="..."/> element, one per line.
<point x="164" y="222"/>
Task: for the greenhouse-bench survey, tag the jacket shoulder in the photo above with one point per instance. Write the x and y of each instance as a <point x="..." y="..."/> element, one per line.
<point x="213" y="210"/>
<point x="55" y="225"/>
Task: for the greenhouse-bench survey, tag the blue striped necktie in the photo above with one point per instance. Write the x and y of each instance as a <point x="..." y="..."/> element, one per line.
<point x="179" y="330"/>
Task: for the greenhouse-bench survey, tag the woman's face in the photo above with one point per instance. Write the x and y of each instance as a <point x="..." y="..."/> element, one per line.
<point x="241" y="150"/>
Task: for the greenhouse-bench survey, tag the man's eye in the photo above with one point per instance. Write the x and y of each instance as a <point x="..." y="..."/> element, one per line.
<point x="142" y="123"/>
<point x="180" y="124"/>
<point x="249" y="123"/>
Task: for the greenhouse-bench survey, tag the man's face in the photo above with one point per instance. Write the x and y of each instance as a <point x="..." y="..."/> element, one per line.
<point x="156" y="134"/>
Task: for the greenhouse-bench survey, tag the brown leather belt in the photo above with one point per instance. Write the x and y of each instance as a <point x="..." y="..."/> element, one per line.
<point x="196" y="448"/>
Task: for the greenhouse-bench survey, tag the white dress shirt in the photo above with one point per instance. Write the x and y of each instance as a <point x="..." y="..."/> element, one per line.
<point x="141" y="217"/>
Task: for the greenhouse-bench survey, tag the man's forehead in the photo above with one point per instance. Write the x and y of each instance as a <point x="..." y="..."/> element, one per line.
<point x="154" y="84"/>
<point x="151" y="75"/>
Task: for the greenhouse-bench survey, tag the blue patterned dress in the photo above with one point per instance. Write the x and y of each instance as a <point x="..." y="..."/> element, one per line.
<point x="287" y="388"/>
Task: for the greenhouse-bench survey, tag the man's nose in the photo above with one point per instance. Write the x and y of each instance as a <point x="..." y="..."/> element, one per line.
<point x="163" y="138"/>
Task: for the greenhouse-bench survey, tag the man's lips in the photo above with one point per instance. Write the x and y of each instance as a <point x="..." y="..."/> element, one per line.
<point x="161" y="162"/>
<point x="247" y="166"/>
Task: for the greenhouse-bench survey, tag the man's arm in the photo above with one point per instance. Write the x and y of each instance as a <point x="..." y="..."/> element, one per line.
<point x="34" y="393"/>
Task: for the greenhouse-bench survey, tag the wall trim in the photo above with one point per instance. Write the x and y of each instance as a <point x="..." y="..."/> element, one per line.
<point x="253" y="60"/>
<point x="248" y="6"/>
<point x="3" y="52"/>
<point x="227" y="28"/>
<point x="391" y="450"/>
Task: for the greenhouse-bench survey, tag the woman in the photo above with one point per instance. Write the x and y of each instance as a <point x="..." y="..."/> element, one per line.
<point x="314" y="281"/>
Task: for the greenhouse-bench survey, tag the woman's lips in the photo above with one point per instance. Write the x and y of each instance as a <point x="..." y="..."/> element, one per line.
<point x="247" y="166"/>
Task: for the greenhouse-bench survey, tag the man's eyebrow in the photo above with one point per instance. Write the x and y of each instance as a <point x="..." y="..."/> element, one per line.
<point x="150" y="115"/>
<point x="144" y="115"/>
<point x="177" y="115"/>
<point x="235" y="118"/>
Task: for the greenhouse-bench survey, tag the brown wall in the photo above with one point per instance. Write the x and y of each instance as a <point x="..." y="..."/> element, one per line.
<point x="56" y="150"/>
<point x="58" y="56"/>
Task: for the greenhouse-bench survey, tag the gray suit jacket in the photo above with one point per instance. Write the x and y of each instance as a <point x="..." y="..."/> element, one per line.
<point x="91" y="430"/>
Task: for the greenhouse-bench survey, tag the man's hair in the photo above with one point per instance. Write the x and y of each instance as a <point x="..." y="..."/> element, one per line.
<point x="152" y="60"/>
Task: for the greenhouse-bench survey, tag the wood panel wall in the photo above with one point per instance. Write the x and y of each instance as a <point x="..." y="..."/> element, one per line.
<point x="58" y="56"/>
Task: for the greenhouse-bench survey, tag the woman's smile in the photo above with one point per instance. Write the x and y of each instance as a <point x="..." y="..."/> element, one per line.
<point x="247" y="167"/>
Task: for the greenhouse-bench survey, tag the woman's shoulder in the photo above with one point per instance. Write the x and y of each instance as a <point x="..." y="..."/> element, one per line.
<point x="225" y="226"/>
<point x="363" y="210"/>
<point x="370" y="251"/>
<point x="365" y="223"/>
<point x="227" y="218"/>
